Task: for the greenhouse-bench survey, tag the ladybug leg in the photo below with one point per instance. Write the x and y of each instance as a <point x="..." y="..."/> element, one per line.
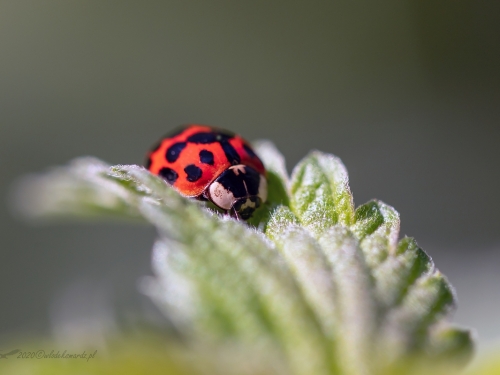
<point x="232" y="213"/>
<point x="202" y="197"/>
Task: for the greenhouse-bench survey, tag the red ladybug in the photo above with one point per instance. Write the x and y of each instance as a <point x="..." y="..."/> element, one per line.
<point x="213" y="164"/>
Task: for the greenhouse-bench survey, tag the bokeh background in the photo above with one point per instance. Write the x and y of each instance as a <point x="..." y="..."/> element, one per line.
<point x="407" y="93"/>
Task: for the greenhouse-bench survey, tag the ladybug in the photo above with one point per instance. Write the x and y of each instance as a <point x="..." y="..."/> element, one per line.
<point x="209" y="163"/>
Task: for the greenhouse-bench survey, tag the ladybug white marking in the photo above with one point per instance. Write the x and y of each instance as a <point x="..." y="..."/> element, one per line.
<point x="248" y="203"/>
<point x="237" y="169"/>
<point x="220" y="196"/>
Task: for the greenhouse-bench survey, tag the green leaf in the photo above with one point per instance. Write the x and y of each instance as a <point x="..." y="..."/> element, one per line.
<point x="240" y="278"/>
<point x="329" y="289"/>
<point x="306" y="261"/>
<point x="274" y="162"/>
<point x="320" y="192"/>
<point x="277" y="182"/>
<point x="82" y="189"/>
<point x="449" y="343"/>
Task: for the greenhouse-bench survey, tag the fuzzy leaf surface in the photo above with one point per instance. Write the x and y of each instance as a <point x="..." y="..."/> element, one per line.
<point x="333" y="288"/>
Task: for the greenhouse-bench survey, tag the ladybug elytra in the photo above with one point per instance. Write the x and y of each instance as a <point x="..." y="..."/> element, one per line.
<point x="213" y="164"/>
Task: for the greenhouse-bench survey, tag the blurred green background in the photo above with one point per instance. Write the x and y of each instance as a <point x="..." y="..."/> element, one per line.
<point x="407" y="93"/>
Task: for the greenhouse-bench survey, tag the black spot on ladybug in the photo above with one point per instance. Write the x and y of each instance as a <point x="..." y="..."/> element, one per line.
<point x="209" y="137"/>
<point x="169" y="175"/>
<point x="249" y="151"/>
<point x="225" y="133"/>
<point x="148" y="163"/>
<point x="232" y="156"/>
<point x="193" y="173"/>
<point x="174" y="151"/>
<point x="203" y="138"/>
<point x="206" y="157"/>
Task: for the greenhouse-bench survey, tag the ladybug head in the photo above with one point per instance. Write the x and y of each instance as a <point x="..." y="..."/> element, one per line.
<point x="240" y="189"/>
<point x="243" y="208"/>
